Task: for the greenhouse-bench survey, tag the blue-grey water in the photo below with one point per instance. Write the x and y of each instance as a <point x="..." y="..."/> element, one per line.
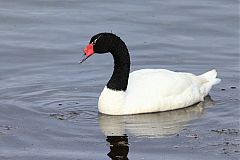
<point x="48" y="102"/>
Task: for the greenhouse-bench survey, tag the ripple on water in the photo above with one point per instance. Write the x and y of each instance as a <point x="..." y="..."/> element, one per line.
<point x="61" y="102"/>
<point x="73" y="110"/>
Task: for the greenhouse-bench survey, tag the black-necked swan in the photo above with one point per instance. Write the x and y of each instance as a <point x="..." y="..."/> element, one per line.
<point x="145" y="90"/>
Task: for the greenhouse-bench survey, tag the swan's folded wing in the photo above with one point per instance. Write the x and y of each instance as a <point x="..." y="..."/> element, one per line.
<point x="161" y="90"/>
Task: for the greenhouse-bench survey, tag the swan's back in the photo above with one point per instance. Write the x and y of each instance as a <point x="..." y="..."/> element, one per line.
<point x="153" y="90"/>
<point x="160" y="82"/>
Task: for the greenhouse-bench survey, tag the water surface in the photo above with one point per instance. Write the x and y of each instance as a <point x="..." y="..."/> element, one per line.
<point x="48" y="102"/>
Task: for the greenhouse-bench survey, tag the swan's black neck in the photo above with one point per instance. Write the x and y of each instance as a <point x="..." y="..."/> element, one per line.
<point x="119" y="79"/>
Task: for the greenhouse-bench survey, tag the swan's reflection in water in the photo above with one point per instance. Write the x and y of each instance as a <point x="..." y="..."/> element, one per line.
<point x="154" y="125"/>
<point x="118" y="147"/>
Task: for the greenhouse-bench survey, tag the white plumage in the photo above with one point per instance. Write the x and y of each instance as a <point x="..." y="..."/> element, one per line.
<point x="154" y="90"/>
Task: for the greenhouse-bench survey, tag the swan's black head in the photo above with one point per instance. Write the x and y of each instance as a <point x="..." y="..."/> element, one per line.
<point x="108" y="42"/>
<point x="100" y="43"/>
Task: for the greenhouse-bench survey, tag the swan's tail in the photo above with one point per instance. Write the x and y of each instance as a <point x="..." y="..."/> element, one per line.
<point x="210" y="79"/>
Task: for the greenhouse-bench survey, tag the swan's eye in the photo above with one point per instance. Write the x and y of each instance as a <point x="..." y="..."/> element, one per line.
<point x="95" y="41"/>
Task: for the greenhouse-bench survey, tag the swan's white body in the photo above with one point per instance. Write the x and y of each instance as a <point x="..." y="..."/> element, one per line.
<point x="154" y="90"/>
